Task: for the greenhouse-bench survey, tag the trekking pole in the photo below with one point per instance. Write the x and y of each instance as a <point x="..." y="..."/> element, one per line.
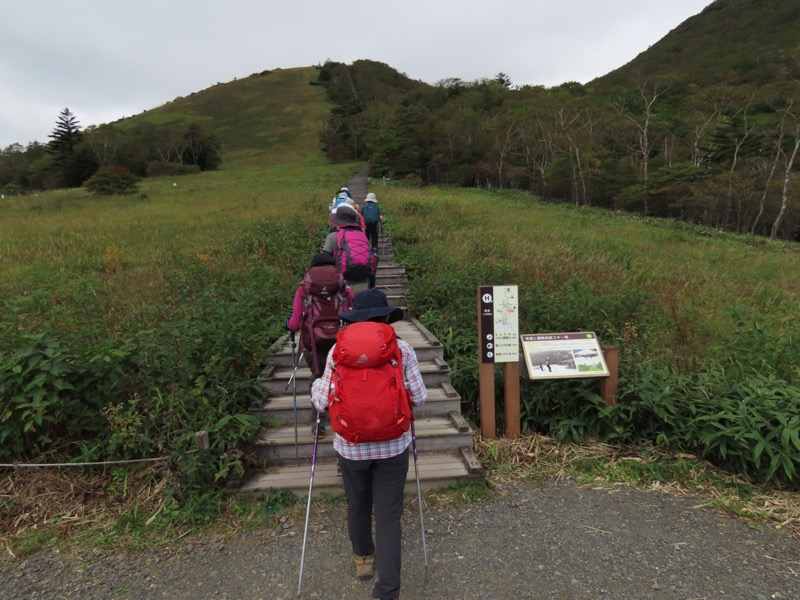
<point x="308" y="507"/>
<point x="293" y="378"/>
<point x="419" y="493"/>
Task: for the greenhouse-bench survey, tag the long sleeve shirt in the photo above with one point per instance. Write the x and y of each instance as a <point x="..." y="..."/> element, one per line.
<point x="417" y="394"/>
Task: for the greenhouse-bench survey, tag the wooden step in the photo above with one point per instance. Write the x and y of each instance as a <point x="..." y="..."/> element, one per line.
<point x="437" y="470"/>
<point x="382" y="280"/>
<point x="276" y="445"/>
<point x="390" y="268"/>
<point x="442" y="400"/>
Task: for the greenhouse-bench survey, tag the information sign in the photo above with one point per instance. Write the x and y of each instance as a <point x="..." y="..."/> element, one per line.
<point x="499" y="324"/>
<point x="563" y="355"/>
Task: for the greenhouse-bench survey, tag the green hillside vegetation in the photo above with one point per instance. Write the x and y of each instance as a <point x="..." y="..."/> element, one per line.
<point x="732" y="42"/>
<point x="132" y="322"/>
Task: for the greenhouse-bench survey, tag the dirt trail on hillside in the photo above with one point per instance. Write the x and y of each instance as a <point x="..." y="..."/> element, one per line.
<point x="529" y="540"/>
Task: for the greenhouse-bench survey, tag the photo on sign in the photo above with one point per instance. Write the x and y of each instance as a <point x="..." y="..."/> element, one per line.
<point x="563" y="355"/>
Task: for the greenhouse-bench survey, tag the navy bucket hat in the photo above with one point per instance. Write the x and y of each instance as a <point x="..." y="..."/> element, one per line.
<point x="372" y="305"/>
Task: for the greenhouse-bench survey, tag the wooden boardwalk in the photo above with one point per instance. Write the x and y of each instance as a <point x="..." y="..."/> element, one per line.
<point x="444" y="438"/>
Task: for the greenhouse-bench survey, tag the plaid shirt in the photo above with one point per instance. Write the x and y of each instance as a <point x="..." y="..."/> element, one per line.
<point x="417" y="394"/>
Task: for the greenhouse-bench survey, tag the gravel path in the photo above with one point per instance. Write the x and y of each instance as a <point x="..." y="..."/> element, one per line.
<point x="530" y="540"/>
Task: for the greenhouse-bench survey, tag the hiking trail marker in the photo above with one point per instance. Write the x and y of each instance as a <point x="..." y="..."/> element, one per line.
<point x="498" y="342"/>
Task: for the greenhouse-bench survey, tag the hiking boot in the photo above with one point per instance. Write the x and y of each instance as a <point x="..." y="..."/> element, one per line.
<point x="364" y="566"/>
<point x="321" y="429"/>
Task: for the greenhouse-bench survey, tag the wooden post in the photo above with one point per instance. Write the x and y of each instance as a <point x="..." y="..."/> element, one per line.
<point x="485" y="380"/>
<point x="609" y="385"/>
<point x="486" y="374"/>
<point x="511" y="377"/>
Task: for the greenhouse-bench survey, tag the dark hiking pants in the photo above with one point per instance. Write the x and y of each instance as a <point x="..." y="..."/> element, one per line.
<point x="377" y="485"/>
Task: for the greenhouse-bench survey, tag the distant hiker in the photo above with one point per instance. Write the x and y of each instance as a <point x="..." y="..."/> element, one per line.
<point x="338" y="199"/>
<point x="547" y="364"/>
<point x="341" y="196"/>
<point x="350" y="247"/>
<point x="315" y="312"/>
<point x="367" y="353"/>
<point x="372" y="219"/>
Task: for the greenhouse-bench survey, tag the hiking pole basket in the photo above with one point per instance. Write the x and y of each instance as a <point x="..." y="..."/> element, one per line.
<point x="308" y="506"/>
<point x="419" y="494"/>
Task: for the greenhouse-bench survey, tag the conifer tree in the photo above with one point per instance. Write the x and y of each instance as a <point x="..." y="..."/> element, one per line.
<point x="65" y="136"/>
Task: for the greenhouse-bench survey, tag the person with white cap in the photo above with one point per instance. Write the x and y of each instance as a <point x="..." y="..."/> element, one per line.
<point x="373" y="217"/>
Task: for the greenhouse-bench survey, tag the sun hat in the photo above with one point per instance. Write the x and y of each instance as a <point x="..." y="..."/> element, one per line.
<point x="371" y="197"/>
<point x="372" y="305"/>
<point x="344" y="215"/>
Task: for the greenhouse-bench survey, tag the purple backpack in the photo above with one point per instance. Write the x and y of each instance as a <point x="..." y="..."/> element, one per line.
<point x="324" y="297"/>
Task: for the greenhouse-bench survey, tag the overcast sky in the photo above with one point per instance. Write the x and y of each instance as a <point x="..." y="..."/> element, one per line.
<point x="108" y="59"/>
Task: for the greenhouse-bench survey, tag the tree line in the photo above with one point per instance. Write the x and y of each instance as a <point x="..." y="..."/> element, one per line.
<point x="723" y="155"/>
<point x="73" y="154"/>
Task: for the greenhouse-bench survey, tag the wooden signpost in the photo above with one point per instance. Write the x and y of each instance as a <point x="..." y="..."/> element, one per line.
<point x="498" y="333"/>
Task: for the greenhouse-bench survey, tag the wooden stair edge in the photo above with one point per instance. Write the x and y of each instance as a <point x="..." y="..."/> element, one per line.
<point x="437" y="470"/>
<point x="432" y="339"/>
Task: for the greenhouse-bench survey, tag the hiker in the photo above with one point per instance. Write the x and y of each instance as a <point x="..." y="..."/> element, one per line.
<point x="315" y="313"/>
<point x="372" y="219"/>
<point x="350" y="248"/>
<point x="352" y="203"/>
<point x="373" y="472"/>
<point x="341" y="196"/>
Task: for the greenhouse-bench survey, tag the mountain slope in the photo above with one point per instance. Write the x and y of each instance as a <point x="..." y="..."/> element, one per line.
<point x="730" y="41"/>
<point x="277" y="112"/>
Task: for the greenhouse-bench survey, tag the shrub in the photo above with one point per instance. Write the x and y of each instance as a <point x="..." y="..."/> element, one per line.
<point x="112" y="180"/>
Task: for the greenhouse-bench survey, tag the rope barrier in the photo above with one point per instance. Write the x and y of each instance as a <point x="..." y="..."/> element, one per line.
<point x="86" y="464"/>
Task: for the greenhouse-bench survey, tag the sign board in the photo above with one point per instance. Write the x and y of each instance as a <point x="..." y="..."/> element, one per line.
<point x="563" y="355"/>
<point x="499" y="324"/>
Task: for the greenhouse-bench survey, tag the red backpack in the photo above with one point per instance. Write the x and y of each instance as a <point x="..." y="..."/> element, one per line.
<point x="368" y="401"/>
<point x="324" y="297"/>
<point x="354" y="255"/>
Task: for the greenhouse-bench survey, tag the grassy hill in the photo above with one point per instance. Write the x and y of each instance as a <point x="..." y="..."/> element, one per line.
<point x="269" y="116"/>
<point x="731" y="41"/>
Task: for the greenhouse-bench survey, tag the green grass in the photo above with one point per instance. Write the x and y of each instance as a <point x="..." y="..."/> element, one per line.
<point x="691" y="274"/>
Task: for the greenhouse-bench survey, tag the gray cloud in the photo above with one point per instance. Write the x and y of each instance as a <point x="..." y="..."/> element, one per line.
<point x="108" y="60"/>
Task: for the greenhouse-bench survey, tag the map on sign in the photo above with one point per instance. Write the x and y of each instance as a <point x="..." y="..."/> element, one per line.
<point x="506" y="324"/>
<point x="563" y="355"/>
<point x="498" y="323"/>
